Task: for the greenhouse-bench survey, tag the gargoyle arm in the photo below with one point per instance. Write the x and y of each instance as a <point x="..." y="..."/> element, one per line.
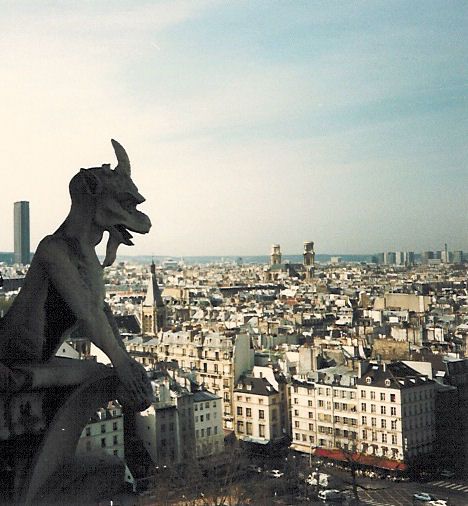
<point x="53" y="255"/>
<point x="113" y="324"/>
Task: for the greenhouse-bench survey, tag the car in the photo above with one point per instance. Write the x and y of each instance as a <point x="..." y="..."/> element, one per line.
<point x="274" y="473"/>
<point x="422" y="497"/>
<point x="331" y="495"/>
<point x="437" y="502"/>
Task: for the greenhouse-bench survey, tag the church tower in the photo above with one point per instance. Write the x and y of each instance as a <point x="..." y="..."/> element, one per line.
<point x="153" y="309"/>
<point x="309" y="259"/>
<point x="275" y="257"/>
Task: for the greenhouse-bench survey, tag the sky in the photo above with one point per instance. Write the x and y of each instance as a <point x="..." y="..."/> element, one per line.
<point x="247" y="123"/>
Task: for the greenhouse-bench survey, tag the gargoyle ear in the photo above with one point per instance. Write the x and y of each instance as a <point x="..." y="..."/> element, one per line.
<point x="91" y="183"/>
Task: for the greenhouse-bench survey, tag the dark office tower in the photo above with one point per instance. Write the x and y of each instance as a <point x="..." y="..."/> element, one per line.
<point x="21" y="232"/>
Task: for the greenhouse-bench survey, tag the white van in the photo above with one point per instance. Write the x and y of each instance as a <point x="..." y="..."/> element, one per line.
<point x="330" y="495"/>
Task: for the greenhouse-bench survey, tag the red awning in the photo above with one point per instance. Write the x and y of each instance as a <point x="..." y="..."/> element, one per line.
<point x="360" y="458"/>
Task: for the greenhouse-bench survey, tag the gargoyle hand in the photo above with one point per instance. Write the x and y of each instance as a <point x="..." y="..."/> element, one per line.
<point x="135" y="392"/>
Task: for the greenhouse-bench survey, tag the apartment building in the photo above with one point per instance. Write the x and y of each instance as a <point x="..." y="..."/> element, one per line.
<point x="258" y="411"/>
<point x="104" y="433"/>
<point x="166" y="428"/>
<point x="209" y="434"/>
<point x="385" y="412"/>
<point x="218" y="360"/>
<point x="324" y="411"/>
<point x="397" y="410"/>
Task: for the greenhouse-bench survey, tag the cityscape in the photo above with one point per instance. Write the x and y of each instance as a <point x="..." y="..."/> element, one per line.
<point x="313" y="373"/>
<point x="264" y="301"/>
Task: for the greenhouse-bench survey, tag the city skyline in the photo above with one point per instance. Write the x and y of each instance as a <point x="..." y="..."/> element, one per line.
<point x="245" y="125"/>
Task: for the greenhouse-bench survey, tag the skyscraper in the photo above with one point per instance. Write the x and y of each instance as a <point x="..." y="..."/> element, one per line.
<point x="21" y="232"/>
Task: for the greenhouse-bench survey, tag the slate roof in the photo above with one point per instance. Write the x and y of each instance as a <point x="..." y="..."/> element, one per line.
<point x="399" y="376"/>
<point x="255" y="386"/>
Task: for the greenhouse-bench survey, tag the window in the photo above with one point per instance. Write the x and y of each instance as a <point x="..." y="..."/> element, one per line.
<point x="207" y="404"/>
<point x="88" y="431"/>
<point x="383" y="410"/>
<point x="384" y="438"/>
<point x="296" y="424"/>
<point x="296" y="412"/>
<point x="309" y="403"/>
<point x="103" y="428"/>
<point x="240" y="427"/>
<point x="372" y="408"/>
<point x="201" y="418"/>
<point x="320" y="403"/>
<point x="114" y="426"/>
<point x="394" y="424"/>
<point x="363" y="406"/>
<point x="249" y="428"/>
<point x="207" y="416"/>
<point x="248" y="411"/>
<point x="364" y="420"/>
<point x="215" y="430"/>
<point x="304" y="437"/>
<point x="373" y="422"/>
<point x="115" y="440"/>
<point x="311" y="427"/>
<point x="364" y="434"/>
<point x="296" y="400"/>
<point x="372" y="395"/>
<point x="392" y="397"/>
<point x="382" y="396"/>
<point x="393" y="411"/>
<point x="260" y="401"/>
<point x="208" y="430"/>
<point x="196" y="405"/>
<point x="363" y="394"/>
<point x="239" y="410"/>
<point x="297" y="436"/>
<point x="383" y="424"/>
<point x="103" y="442"/>
<point x="261" y="414"/>
<point x="394" y="439"/>
<point x="261" y="430"/>
<point x="203" y="433"/>
<point x="311" y="414"/>
<point x="374" y="435"/>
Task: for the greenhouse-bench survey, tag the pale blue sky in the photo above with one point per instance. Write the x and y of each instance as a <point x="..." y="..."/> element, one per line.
<point x="247" y="123"/>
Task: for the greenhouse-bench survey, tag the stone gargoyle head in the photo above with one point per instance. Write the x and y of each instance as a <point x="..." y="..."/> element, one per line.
<point x="113" y="197"/>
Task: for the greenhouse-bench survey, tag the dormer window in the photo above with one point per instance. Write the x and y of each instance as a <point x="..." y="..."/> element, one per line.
<point x="368" y="380"/>
<point x="387" y="382"/>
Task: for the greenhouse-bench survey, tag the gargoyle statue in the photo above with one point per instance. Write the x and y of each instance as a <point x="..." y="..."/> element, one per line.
<point x="64" y="285"/>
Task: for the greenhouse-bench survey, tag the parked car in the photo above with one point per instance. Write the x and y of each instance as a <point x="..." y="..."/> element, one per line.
<point x="331" y="495"/>
<point x="422" y="497"/>
<point x="437" y="502"/>
<point x="274" y="473"/>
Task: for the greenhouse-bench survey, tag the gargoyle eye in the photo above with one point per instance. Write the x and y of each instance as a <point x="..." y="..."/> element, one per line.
<point x="128" y="201"/>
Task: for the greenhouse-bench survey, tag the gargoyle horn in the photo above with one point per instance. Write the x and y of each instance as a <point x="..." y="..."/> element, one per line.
<point x="123" y="162"/>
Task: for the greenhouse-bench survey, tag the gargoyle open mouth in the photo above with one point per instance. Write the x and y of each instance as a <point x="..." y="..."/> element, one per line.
<point x="122" y="231"/>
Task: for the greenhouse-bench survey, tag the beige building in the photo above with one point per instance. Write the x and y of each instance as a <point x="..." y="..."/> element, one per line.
<point x="384" y="412"/>
<point x="259" y="411"/>
<point x="217" y="360"/>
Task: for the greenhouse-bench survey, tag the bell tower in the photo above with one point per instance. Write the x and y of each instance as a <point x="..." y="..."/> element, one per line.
<point x="309" y="259"/>
<point x="275" y="257"/>
<point x="153" y="309"/>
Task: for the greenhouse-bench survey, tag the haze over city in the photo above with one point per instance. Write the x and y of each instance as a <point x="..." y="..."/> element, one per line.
<point x="246" y="123"/>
